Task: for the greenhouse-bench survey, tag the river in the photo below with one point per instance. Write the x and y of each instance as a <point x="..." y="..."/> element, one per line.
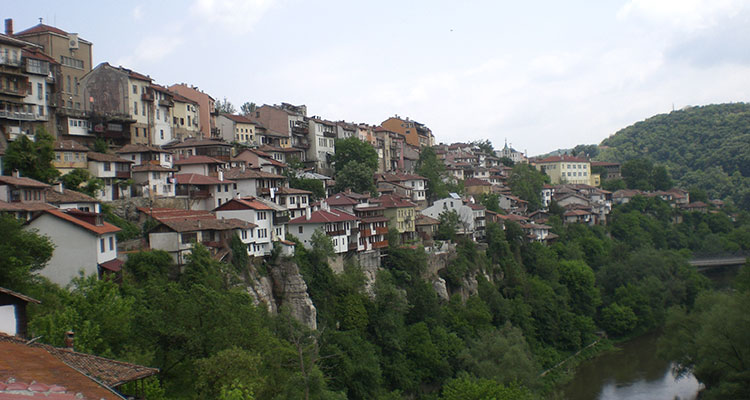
<point x="636" y="372"/>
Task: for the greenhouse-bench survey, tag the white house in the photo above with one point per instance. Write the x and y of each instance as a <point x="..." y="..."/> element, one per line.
<point x="141" y="154"/>
<point x="466" y="217"/>
<point x="204" y="192"/>
<point x="83" y="242"/>
<point x="66" y="199"/>
<point x="258" y="213"/>
<point x="113" y="170"/>
<point x="337" y="224"/>
<point x="252" y="182"/>
<point x="151" y="180"/>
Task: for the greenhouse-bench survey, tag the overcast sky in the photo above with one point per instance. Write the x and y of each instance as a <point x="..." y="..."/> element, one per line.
<point x="544" y="75"/>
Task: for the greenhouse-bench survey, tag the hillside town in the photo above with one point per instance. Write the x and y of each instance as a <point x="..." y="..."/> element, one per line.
<point x="169" y="158"/>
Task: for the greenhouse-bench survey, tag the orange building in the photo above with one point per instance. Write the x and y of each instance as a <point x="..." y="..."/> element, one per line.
<point x="416" y="134"/>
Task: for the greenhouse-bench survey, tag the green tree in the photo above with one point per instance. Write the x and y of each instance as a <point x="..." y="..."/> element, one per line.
<point x="81" y="180"/>
<point x="353" y="149"/>
<point x="226" y="371"/>
<point x="247" y="108"/>
<point x="449" y="223"/>
<point x="466" y="387"/>
<point x="433" y="169"/>
<point x="225" y="107"/>
<point x="356" y="176"/>
<point x="527" y="183"/>
<point x="485" y="146"/>
<point x="33" y="159"/>
<point x="491" y="201"/>
<point x="22" y="252"/>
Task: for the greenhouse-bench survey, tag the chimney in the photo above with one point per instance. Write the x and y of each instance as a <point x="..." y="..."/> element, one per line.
<point x="69" y="337"/>
<point x="59" y="187"/>
<point x="16" y="174"/>
<point x="307" y="213"/>
<point x="221" y="175"/>
<point x="9" y="26"/>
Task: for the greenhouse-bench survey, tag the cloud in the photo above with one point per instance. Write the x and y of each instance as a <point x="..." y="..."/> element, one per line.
<point x="152" y="49"/>
<point x="138" y="13"/>
<point x="682" y="15"/>
<point x="235" y="16"/>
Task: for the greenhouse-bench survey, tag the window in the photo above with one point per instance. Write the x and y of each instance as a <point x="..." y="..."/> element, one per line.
<point x="161" y="133"/>
<point x="39" y="91"/>
<point x="157" y="114"/>
<point x="262" y="233"/>
<point x="261" y="215"/>
<point x="135" y="107"/>
<point x="300" y="229"/>
<point x="304" y="199"/>
<point x="135" y="89"/>
<point x="101" y="245"/>
<point x="188" y="120"/>
<point x="107" y="166"/>
<point x="111" y="243"/>
<point x="154" y="175"/>
<point x="75" y="88"/>
<point x="165" y="188"/>
<point x="291" y="200"/>
<point x="190" y="237"/>
<point x="143" y="110"/>
<point x="71" y="62"/>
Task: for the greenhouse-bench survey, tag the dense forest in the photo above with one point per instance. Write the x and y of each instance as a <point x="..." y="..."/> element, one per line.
<point x="514" y="310"/>
<point x="705" y="148"/>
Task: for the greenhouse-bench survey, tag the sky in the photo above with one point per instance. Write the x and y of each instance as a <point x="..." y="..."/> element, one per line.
<point x="542" y="75"/>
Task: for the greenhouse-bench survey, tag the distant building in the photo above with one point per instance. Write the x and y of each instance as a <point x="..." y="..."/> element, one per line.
<point x="566" y="169"/>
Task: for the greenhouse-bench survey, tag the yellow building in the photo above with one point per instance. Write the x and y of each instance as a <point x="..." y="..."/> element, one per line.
<point x="567" y="169"/>
<point x="401" y="214"/>
<point x="70" y="155"/>
<point x="185" y="114"/>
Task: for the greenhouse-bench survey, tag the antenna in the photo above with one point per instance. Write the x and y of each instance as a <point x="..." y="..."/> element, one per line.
<point x="40" y="20"/>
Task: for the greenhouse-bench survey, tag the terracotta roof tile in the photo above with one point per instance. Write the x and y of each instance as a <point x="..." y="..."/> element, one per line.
<point x="197" y="179"/>
<point x="201" y="224"/>
<point x="70" y="145"/>
<point x="562" y="158"/>
<point x="198" y="160"/>
<point x="103" y="157"/>
<point x="246" y="202"/>
<point x="68" y="216"/>
<point x="67" y="196"/>
<point x="140" y="148"/>
<point x="40" y="28"/>
<point x="30" y="207"/>
<point x="323" y="216"/>
<point x="238" y="173"/>
<point x="198" y="143"/>
<point x="22" y="182"/>
<point x="151" y="168"/>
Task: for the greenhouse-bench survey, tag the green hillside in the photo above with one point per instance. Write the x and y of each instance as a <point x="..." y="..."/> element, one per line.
<point x="704" y="147"/>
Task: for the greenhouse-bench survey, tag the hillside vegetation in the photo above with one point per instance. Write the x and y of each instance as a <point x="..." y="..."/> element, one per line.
<point x="705" y="147"/>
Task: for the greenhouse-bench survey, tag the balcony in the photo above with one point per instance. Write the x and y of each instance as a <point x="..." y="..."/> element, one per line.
<point x="280" y="219"/>
<point x="381" y="230"/>
<point x="166" y="103"/>
<point x="336" y="233"/>
<point x="215" y="132"/>
<point x="147" y="96"/>
<point x="17" y="115"/>
<point x="122" y="174"/>
<point x="20" y="92"/>
<point x="380" y="245"/>
<point x="6" y="60"/>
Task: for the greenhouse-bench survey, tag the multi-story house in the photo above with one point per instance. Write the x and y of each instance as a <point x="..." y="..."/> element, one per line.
<point x="83" y="242"/>
<point x="286" y="119"/>
<point x="185" y="118"/>
<point x="390" y="148"/>
<point x="256" y="159"/>
<point x="70" y="155"/>
<point x="206" y="108"/>
<point x="373" y="227"/>
<point x="466" y="218"/>
<point x="295" y="201"/>
<point x="152" y="180"/>
<point x="416" y="134"/>
<point x="113" y="171"/>
<point x="566" y="169"/>
<point x="120" y="105"/>
<point x="177" y="233"/>
<point x="415" y="186"/>
<point x="401" y="214"/>
<point x="322" y="140"/>
<point x="479" y="220"/>
<point x="340" y="226"/>
<point x="22" y="197"/>
<point x="201" y="147"/>
<point x="201" y="165"/>
<point x="74" y="55"/>
<point x="345" y="130"/>
<point x="511" y="153"/>
<point x="15" y="116"/>
<point x="236" y="128"/>
<point x="160" y="111"/>
<point x="261" y="215"/>
<point x="142" y="154"/>
<point x="270" y="138"/>
<point x="203" y="192"/>
<point x="41" y="71"/>
<point x="250" y="182"/>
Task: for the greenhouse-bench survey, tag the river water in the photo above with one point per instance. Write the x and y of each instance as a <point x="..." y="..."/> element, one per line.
<point x="636" y="372"/>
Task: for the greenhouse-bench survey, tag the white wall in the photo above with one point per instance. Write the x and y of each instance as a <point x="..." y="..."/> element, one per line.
<point x="8" y="319"/>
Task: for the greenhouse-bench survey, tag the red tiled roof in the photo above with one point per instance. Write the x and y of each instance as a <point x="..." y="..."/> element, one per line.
<point x="562" y="158"/>
<point x="67" y="196"/>
<point x="151" y="168"/>
<point x="161" y="214"/>
<point x="34" y="390"/>
<point x="113" y="265"/>
<point x="572" y="213"/>
<point x="239" y="118"/>
<point x="247" y="202"/>
<point x="140" y="148"/>
<point x="198" y="143"/>
<point x="22" y="182"/>
<point x="476" y="206"/>
<point x="238" y="173"/>
<point x="103" y="157"/>
<point x="323" y="216"/>
<point x="40" y="28"/>
<point x="426" y="220"/>
<point x="393" y="201"/>
<point x="197" y="179"/>
<point x="341" y="199"/>
<point x="19" y="296"/>
<point x="182" y="99"/>
<point x="697" y="204"/>
<point x="286" y="190"/>
<point x="105" y="227"/>
<point x="205" y="224"/>
<point x="37" y="54"/>
<point x="198" y="160"/>
<point x="70" y="145"/>
<point x="21" y="206"/>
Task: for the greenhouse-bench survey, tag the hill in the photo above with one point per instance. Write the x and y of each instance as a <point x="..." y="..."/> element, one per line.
<point x="705" y="147"/>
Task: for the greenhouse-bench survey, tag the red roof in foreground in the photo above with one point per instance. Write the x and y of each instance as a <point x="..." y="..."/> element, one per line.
<point x="243" y="203"/>
<point x="113" y="265"/>
<point x="105" y="227"/>
<point x="323" y="216"/>
<point x="22" y="182"/>
<point x="34" y="390"/>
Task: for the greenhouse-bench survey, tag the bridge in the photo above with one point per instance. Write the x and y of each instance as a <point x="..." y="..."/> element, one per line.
<point x="705" y="263"/>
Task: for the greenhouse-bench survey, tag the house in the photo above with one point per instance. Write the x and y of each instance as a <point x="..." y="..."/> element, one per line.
<point x="73" y="60"/>
<point x="568" y="199"/>
<point x="475" y="186"/>
<point x="259" y="160"/>
<point x="236" y="128"/>
<point x="295" y="201"/>
<point x="13" y="317"/>
<point x="426" y="227"/>
<point x="253" y="182"/>
<point x="340" y="226"/>
<point x="267" y="220"/>
<point x="41" y="71"/>
<point x="281" y="154"/>
<point x="579" y="216"/>
<point x="153" y="180"/>
<point x="201" y="147"/>
<point x="160" y="102"/>
<point x="414" y="186"/>
<point x="611" y="170"/>
<point x="478" y="211"/>
<point x="511" y="153"/>
<point x="623" y="196"/>
<point x="185" y="118"/>
<point x="41" y="371"/>
<point x="202" y="165"/>
<point x="373" y="227"/>
<point x="15" y="116"/>
<point x="286" y="119"/>
<point x="697" y="206"/>
<point x="466" y="218"/>
<point x="22" y="197"/>
<point x="141" y="154"/>
<point x="83" y="242"/>
<point x="416" y="134"/>
<point x="345" y="201"/>
<point x="566" y="169"/>
<point x="206" y="108"/>
<point x="322" y="138"/>
<point x="66" y="199"/>
<point x="512" y="204"/>
<point x="537" y="232"/>
<point x="401" y="214"/>
<point x="114" y="172"/>
<point x="177" y="234"/>
<point x="69" y="155"/>
<point x="203" y="192"/>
